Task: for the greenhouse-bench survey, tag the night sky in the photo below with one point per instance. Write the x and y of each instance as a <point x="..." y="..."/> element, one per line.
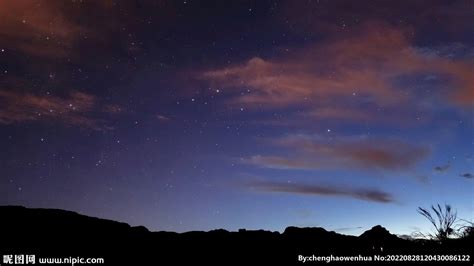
<point x="197" y="115"/>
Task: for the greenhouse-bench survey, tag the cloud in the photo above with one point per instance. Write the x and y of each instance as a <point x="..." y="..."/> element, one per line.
<point x="278" y="162"/>
<point x="320" y="72"/>
<point x="323" y="190"/>
<point x="309" y="152"/>
<point x="319" y="16"/>
<point x="322" y="78"/>
<point x="37" y="28"/>
<point x="162" y="118"/>
<point x="57" y="29"/>
<point x="442" y="168"/>
<point x="344" y="229"/>
<point x="77" y="109"/>
<point x="467" y="175"/>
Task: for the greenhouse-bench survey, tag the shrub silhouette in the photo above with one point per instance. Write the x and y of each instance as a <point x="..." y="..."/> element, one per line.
<point x="443" y="222"/>
<point x="467" y="230"/>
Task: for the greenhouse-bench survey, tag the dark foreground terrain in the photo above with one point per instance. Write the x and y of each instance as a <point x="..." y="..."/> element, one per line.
<point x="59" y="233"/>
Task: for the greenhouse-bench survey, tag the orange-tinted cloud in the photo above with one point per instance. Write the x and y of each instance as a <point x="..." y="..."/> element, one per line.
<point x="38" y="28"/>
<point x="366" y="62"/>
<point x="320" y="17"/>
<point x="56" y="29"/>
<point x="78" y="109"/>
<point x="305" y="152"/>
<point x="463" y="92"/>
<point x="323" y="190"/>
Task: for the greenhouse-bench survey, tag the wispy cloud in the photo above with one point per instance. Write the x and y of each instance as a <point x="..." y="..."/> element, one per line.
<point x="442" y="168"/>
<point x="280" y="162"/>
<point x="323" y="190"/>
<point x="56" y="29"/>
<point x="37" y="28"/>
<point x="323" y="78"/>
<point x="467" y="175"/>
<point x="309" y="152"/>
<point x="77" y="109"/>
<point x="162" y="118"/>
<point x="345" y="229"/>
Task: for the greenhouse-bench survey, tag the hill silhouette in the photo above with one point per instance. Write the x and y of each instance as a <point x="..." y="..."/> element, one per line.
<point x="59" y="233"/>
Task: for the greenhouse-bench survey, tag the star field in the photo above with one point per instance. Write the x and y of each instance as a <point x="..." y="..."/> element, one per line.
<point x="197" y="115"/>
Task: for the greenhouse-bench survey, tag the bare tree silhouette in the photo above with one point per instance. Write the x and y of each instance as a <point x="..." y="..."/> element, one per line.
<point x="443" y="222"/>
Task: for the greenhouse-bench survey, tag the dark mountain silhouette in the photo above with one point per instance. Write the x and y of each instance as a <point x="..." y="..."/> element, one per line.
<point x="59" y="233"/>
